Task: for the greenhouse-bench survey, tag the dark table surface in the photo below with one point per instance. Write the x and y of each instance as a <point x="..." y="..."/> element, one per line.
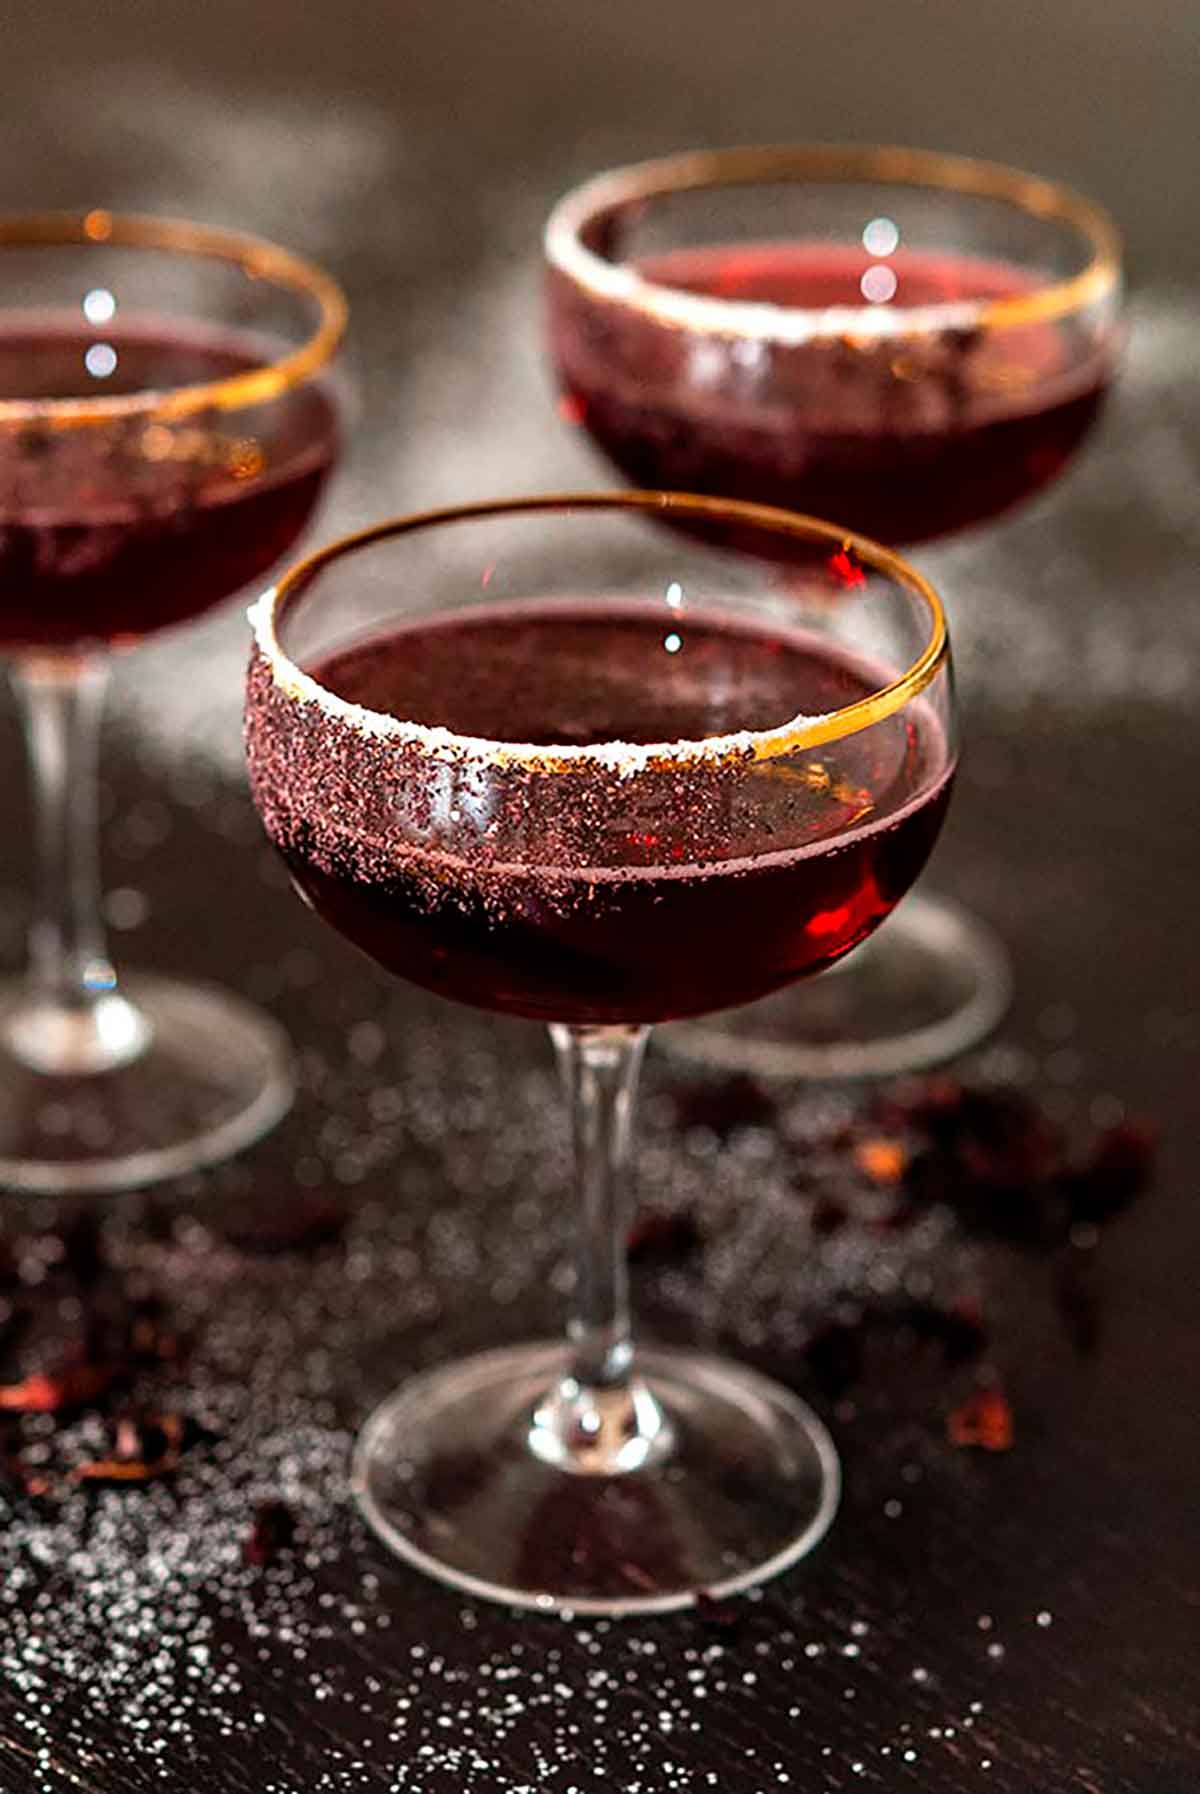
<point x="1016" y="1620"/>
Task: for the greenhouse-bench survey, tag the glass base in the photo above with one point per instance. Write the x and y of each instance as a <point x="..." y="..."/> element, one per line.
<point x="445" y="1472"/>
<point x="932" y="983"/>
<point x="194" y="1075"/>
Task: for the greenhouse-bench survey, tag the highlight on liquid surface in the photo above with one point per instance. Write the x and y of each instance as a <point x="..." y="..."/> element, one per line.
<point x="593" y="895"/>
<point x="901" y="437"/>
<point x="110" y="531"/>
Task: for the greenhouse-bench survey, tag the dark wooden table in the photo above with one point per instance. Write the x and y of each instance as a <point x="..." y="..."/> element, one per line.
<point x="1023" y="1620"/>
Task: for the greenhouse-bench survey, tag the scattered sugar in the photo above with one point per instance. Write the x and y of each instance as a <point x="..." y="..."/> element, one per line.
<point x="134" y="1610"/>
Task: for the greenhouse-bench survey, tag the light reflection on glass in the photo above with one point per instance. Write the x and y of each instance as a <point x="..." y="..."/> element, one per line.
<point x="881" y="237"/>
<point x="99" y="306"/>
<point x="100" y="360"/>
<point x="672" y="643"/>
<point x="878" y="284"/>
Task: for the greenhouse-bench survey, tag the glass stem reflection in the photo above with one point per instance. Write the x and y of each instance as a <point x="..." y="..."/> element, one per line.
<point x="601" y="1419"/>
<point x="72" y="1019"/>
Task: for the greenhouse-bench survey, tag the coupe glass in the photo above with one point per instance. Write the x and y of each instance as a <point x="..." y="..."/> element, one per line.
<point x="546" y="757"/>
<point x="906" y="342"/>
<point x="166" y="425"/>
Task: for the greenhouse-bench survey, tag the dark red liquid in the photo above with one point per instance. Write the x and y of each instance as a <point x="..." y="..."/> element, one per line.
<point x="112" y="530"/>
<point x="590" y="897"/>
<point x="902" y="438"/>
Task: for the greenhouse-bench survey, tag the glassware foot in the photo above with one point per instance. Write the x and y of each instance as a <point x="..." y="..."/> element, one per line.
<point x="934" y="982"/>
<point x="210" y="1076"/>
<point x="445" y="1474"/>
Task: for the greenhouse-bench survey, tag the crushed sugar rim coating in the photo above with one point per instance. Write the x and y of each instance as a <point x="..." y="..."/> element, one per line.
<point x="764" y="321"/>
<point x="258" y="259"/>
<point x="624" y="758"/>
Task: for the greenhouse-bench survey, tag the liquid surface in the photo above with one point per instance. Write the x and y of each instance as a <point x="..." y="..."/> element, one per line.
<point x="112" y="530"/>
<point x="902" y="438"/>
<point x="595" y="896"/>
<point x="816" y="276"/>
<point x="579" y="673"/>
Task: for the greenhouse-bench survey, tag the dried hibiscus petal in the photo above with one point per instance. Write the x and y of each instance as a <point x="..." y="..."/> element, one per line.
<point x="144" y="1447"/>
<point x="933" y="1106"/>
<point x="273" y="1531"/>
<point x="150" y="1336"/>
<point x="1077" y="1297"/>
<point x="1004" y="1130"/>
<point x="884" y="1161"/>
<point x="1005" y="1140"/>
<point x="997" y="1182"/>
<point x="659" y="1237"/>
<point x="724" y="1107"/>
<point x="828" y="1217"/>
<point x="836" y="1355"/>
<point x="959" y="1329"/>
<point x="10" y="1269"/>
<point x="984" y="1420"/>
<point x="894" y="1218"/>
<point x="1116" y="1170"/>
<point x="292" y="1224"/>
<point x="21" y="1478"/>
<point x="83" y="1249"/>
<point x="14" y="1321"/>
<point x="713" y="1611"/>
<point x="71" y="1385"/>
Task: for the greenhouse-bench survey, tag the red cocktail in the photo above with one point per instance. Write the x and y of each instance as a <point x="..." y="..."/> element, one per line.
<point x="107" y="535"/>
<point x="167" y="422"/>
<point x="796" y="866"/>
<point x="908" y="343"/>
<point x="550" y="758"/>
<point x="902" y="441"/>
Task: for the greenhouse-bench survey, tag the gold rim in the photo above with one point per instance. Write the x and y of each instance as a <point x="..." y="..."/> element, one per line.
<point x="566" y="251"/>
<point x="765" y="744"/>
<point x="258" y="259"/>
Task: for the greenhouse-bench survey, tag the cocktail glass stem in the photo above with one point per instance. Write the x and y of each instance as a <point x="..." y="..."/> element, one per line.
<point x="600" y="1418"/>
<point x="72" y="1020"/>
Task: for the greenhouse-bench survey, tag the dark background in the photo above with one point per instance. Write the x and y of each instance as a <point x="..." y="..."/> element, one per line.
<point x="416" y="149"/>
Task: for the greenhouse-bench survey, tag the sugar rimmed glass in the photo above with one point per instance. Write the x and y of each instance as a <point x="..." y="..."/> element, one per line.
<point x="549" y="758"/>
<point x="908" y="342"/>
<point x="167" y="423"/>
